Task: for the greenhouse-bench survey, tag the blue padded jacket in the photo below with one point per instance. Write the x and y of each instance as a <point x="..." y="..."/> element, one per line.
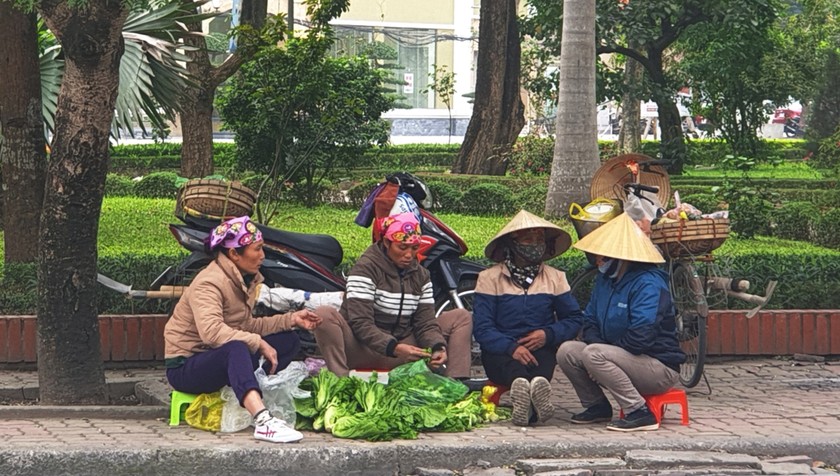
<point x="634" y="313"/>
<point x="503" y="312"/>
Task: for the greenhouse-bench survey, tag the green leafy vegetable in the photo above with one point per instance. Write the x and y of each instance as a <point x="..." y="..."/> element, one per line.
<point x="415" y="400"/>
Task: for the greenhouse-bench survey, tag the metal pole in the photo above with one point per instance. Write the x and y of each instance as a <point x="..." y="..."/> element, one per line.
<point x="291" y="16"/>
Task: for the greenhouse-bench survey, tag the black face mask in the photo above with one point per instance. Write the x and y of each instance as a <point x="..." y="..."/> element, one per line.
<point x="531" y="253"/>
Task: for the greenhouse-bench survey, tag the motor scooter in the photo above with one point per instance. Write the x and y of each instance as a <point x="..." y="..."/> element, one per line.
<point x="306" y="261"/>
<point x="792" y="127"/>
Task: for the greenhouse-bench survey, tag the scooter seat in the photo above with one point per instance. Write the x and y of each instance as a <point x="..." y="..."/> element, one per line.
<point x="324" y="249"/>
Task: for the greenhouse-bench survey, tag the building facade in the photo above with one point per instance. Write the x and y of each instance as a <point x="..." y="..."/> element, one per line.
<point x="410" y="38"/>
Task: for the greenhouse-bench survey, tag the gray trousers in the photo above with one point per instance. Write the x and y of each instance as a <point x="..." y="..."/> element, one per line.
<point x="625" y="375"/>
<point x="343" y="352"/>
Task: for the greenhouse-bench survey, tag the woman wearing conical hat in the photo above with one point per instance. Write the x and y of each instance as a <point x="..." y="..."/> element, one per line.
<point x="522" y="311"/>
<point x="629" y="344"/>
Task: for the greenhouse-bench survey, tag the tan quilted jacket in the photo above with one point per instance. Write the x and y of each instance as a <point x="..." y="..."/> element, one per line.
<point x="216" y="309"/>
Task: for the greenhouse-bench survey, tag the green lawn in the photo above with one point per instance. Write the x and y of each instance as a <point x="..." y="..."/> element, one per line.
<point x="785" y="170"/>
<point x="140" y="227"/>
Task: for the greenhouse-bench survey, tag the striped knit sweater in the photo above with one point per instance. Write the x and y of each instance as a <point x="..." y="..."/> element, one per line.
<point x="384" y="305"/>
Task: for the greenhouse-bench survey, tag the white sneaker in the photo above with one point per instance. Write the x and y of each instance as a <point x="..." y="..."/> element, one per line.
<point x="541" y="398"/>
<point x="276" y="430"/>
<point x="520" y="396"/>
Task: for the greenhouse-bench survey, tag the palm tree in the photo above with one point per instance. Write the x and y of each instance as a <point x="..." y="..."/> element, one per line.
<point x="153" y="75"/>
<point x="576" y="141"/>
<point x="114" y="60"/>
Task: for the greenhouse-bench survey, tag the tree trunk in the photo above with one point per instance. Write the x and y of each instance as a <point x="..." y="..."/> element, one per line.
<point x="498" y="113"/>
<point x="576" y="144"/>
<point x="70" y="367"/>
<point x="197" y="108"/>
<point x="629" y="137"/>
<point x="21" y="123"/>
<point x="197" y="111"/>
<point x="672" y="143"/>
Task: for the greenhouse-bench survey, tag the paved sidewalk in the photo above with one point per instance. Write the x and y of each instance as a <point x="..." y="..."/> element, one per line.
<point x="762" y="407"/>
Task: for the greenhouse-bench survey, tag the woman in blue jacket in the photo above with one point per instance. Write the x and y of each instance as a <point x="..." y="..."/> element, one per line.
<point x="629" y="344"/>
<point x="522" y="311"/>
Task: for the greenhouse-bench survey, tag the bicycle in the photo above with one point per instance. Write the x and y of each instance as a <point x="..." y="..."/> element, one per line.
<point x="691" y="291"/>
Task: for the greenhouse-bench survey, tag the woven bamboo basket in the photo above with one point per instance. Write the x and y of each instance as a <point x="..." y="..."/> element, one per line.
<point x="210" y="198"/>
<point x="688" y="238"/>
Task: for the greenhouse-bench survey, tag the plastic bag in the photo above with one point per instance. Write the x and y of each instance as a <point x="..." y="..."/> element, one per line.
<point x="600" y="210"/>
<point x="313" y="365"/>
<point x="422" y="386"/>
<point x="234" y="417"/>
<point x="638" y="209"/>
<point x="283" y="299"/>
<point x="205" y="412"/>
<point x="279" y="391"/>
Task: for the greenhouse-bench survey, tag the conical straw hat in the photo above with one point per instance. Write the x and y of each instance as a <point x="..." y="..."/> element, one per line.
<point x="556" y="239"/>
<point x="609" y="179"/>
<point x="621" y="238"/>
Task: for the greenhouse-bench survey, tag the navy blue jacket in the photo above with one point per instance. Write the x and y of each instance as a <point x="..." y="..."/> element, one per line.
<point x="503" y="312"/>
<point x="634" y="313"/>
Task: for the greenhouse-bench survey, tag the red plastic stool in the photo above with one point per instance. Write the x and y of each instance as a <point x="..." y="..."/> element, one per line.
<point x="657" y="403"/>
<point x="500" y="390"/>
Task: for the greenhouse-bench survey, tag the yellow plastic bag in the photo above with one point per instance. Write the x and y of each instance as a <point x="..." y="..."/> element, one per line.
<point x="597" y="212"/>
<point x="205" y="412"/>
<point x="600" y="210"/>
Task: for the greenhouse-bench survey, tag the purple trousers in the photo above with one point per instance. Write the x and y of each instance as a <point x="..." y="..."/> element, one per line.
<point x="231" y="364"/>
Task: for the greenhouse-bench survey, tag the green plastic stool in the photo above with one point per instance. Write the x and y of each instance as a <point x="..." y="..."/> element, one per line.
<point x="177" y="407"/>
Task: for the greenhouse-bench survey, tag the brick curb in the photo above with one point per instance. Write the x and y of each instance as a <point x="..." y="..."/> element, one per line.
<point x="372" y="458"/>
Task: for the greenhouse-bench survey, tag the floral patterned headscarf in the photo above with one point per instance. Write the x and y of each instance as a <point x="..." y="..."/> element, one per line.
<point x="234" y="233"/>
<point x="402" y="228"/>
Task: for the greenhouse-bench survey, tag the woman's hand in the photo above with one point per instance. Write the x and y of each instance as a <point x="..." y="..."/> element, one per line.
<point x="533" y="340"/>
<point x="267" y="351"/>
<point x="306" y="319"/>
<point x="525" y="357"/>
<point x="410" y="352"/>
<point x="439" y="358"/>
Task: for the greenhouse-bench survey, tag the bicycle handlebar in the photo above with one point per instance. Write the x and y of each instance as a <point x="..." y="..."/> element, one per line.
<point x="637" y="188"/>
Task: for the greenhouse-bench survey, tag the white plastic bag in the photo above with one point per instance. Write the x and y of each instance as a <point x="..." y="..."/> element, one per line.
<point x="234" y="417"/>
<point x="639" y="209"/>
<point x="279" y="391"/>
<point x="283" y="299"/>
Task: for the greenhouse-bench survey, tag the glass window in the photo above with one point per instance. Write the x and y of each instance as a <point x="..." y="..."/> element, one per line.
<point x="408" y="53"/>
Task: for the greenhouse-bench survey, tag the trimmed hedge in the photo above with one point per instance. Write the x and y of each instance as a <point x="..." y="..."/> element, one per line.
<point x="445" y="196"/>
<point x="533" y="156"/>
<point x="18" y="293"/>
<point x="793" y="220"/>
<point x="142" y="158"/>
<point x="135" y="247"/>
<point x="117" y="185"/>
<point x="157" y="185"/>
<point x="783" y="183"/>
<point x="487" y="199"/>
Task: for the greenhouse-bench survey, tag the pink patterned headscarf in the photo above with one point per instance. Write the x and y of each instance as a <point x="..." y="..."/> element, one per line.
<point x="402" y="228"/>
<point x="234" y="233"/>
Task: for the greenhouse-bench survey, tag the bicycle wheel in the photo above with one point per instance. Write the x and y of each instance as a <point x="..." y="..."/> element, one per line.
<point x="582" y="286"/>
<point x="691" y="312"/>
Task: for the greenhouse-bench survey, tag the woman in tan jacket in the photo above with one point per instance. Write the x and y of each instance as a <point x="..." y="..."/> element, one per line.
<point x="212" y="338"/>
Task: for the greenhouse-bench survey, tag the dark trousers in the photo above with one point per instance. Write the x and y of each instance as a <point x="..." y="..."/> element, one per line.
<point x="503" y="369"/>
<point x="231" y="364"/>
